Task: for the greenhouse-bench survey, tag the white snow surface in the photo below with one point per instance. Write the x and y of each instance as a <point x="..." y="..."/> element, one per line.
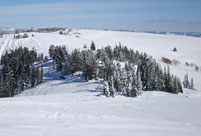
<point x="74" y="107"/>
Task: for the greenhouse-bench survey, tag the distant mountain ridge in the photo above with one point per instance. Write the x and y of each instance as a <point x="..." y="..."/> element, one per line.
<point x="193" y="34"/>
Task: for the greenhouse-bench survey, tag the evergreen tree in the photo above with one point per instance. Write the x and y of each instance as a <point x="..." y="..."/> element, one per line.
<point x="111" y="87"/>
<point x="138" y="84"/>
<point x="93" y="47"/>
<point x="33" y="77"/>
<point x="106" y="89"/>
<point x="141" y="72"/>
<point x="41" y="73"/>
<point x="186" y="83"/>
<point x="192" y="84"/>
<point x="18" y="71"/>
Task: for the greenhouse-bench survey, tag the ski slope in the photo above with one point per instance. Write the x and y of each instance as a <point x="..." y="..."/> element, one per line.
<point x="156" y="45"/>
<point x="74" y="107"/>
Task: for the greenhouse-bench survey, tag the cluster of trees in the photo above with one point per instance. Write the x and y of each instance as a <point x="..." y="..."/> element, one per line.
<point x="1" y="34"/>
<point x="123" y="70"/>
<point x="19" y="36"/>
<point x="47" y="30"/>
<point x="18" y="71"/>
<point x="40" y="30"/>
<point x="187" y="83"/>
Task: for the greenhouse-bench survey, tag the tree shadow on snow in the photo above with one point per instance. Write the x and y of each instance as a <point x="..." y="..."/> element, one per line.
<point x="91" y="91"/>
<point x="72" y="79"/>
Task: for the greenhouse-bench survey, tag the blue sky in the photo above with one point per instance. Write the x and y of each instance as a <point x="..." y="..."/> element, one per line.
<point x="140" y="15"/>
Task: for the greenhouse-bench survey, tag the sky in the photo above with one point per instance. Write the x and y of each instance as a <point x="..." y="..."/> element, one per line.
<point x="134" y="15"/>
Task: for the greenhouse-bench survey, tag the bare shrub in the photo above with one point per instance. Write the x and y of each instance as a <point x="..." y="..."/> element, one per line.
<point x="166" y="60"/>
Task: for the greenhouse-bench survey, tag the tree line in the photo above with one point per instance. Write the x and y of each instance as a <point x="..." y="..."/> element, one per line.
<point x="18" y="71"/>
<point x="123" y="70"/>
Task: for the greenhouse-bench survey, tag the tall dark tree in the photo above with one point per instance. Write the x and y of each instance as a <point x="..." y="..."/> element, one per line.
<point x="93" y="47"/>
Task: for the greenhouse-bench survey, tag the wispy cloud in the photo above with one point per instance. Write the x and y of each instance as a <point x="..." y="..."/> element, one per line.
<point x="126" y="14"/>
<point x="162" y="20"/>
<point x="173" y="25"/>
<point x="52" y="8"/>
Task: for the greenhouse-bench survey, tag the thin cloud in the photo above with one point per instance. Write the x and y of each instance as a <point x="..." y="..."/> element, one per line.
<point x="72" y="7"/>
<point x="79" y="16"/>
<point x="162" y="20"/>
<point x="173" y="25"/>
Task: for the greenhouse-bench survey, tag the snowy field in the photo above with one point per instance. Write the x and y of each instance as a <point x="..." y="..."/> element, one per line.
<point x="157" y="45"/>
<point x="74" y="107"/>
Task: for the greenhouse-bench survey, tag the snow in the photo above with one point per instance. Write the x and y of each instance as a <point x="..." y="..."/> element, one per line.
<point x="156" y="45"/>
<point x="74" y="107"/>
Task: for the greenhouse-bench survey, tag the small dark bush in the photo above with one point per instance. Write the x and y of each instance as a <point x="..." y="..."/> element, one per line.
<point x="166" y="60"/>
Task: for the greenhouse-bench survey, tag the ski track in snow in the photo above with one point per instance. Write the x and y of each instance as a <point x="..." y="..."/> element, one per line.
<point x="73" y="106"/>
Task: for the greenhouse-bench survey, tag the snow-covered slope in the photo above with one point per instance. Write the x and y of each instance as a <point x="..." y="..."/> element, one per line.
<point x="74" y="107"/>
<point x="157" y="45"/>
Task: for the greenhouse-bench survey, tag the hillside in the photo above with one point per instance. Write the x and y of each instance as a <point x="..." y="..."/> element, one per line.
<point x="74" y="107"/>
<point x="157" y="45"/>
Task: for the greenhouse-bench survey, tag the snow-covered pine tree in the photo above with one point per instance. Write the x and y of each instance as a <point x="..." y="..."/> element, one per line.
<point x="41" y="73"/>
<point x="175" y="88"/>
<point x="186" y="83"/>
<point x="138" y="84"/>
<point x="149" y="85"/>
<point x="33" y="76"/>
<point x="51" y="51"/>
<point x="77" y="61"/>
<point x="10" y="83"/>
<point x="192" y="84"/>
<point x="106" y="89"/>
<point x="26" y="76"/>
<point x="180" y="89"/>
<point x="129" y="83"/>
<point x="111" y="87"/>
<point x="117" y="77"/>
<point x="38" y="76"/>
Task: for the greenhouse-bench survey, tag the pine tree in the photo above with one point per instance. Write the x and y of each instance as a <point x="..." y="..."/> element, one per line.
<point x="175" y="88"/>
<point x="192" y="84"/>
<point x="138" y="84"/>
<point x="111" y="87"/>
<point x="20" y="84"/>
<point x="93" y="47"/>
<point x="179" y="86"/>
<point x="26" y="76"/>
<point x="77" y="60"/>
<point x="186" y="81"/>
<point x="106" y="89"/>
<point x="133" y="92"/>
<point x="129" y="84"/>
<point x="41" y="73"/>
<point x="10" y="83"/>
<point x="51" y="51"/>
<point x="33" y="76"/>
<point x="18" y="71"/>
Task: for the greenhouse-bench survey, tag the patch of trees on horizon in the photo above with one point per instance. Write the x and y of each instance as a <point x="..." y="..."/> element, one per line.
<point x="123" y="70"/>
<point x="19" y="72"/>
<point x="47" y="30"/>
<point x="19" y="36"/>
